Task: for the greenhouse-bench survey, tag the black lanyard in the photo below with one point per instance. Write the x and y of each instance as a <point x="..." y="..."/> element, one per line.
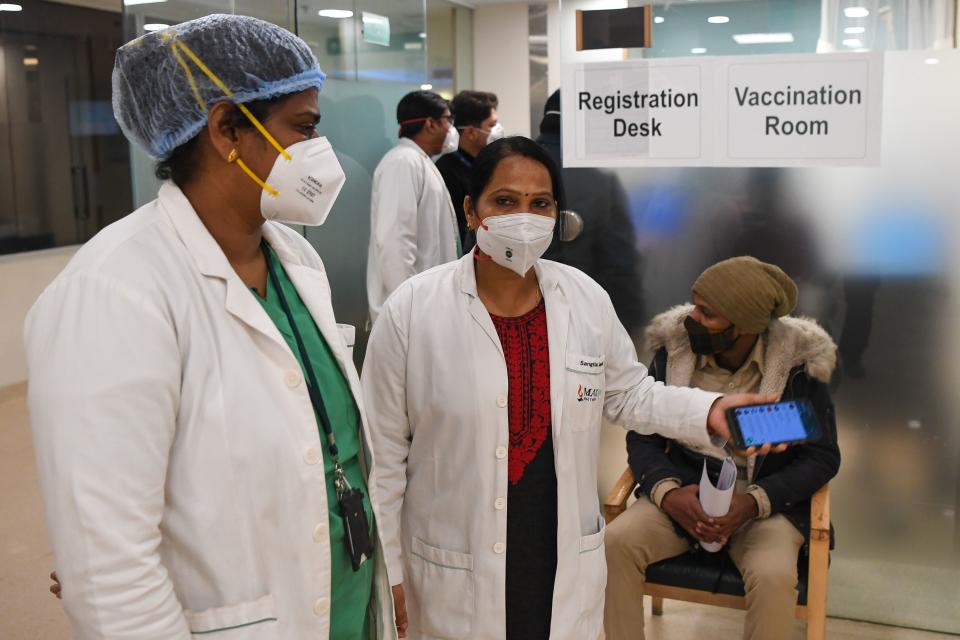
<point x="313" y="388"/>
<point x="352" y="510"/>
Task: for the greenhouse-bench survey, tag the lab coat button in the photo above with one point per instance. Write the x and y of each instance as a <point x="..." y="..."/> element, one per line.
<point x="292" y="378"/>
<point x="312" y="456"/>
<point x="501" y="453"/>
<point x="321" y="607"/>
<point x="320" y="532"/>
<point x="499" y="547"/>
<point x="501" y="401"/>
<point x="499" y="504"/>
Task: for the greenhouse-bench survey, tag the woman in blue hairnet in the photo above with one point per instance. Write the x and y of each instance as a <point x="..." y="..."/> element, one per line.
<point x="196" y="414"/>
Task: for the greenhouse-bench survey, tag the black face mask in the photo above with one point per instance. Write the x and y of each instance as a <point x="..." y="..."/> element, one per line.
<point x="705" y="343"/>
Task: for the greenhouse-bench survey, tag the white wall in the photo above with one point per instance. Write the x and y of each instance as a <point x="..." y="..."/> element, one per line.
<point x="23" y="277"/>
<point x="463" y="48"/>
<point x="501" y="59"/>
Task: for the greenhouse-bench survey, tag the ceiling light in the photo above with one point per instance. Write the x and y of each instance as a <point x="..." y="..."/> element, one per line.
<point x="698" y="50"/>
<point x="426" y="87"/>
<point x="130" y="3"/>
<point x="9" y="6"/>
<point x="854" y="30"/>
<point x="763" y="38"/>
<point x="372" y="18"/>
<point x="155" y="26"/>
<point x="31" y="62"/>
<point x="423" y="34"/>
<point x="932" y="61"/>
<point x="658" y="19"/>
<point x="856" y="12"/>
<point x="339" y="14"/>
<point x="718" y="19"/>
<point x="852" y="42"/>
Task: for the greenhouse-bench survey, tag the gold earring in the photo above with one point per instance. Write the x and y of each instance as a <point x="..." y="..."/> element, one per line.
<point x="232" y="157"/>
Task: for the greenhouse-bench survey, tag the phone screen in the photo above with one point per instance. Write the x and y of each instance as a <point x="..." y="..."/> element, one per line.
<point x="781" y="422"/>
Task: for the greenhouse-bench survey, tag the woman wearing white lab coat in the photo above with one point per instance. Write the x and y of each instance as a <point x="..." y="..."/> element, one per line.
<point x="179" y="453"/>
<point x="442" y="407"/>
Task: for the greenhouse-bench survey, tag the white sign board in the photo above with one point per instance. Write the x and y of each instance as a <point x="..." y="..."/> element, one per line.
<point x="797" y="110"/>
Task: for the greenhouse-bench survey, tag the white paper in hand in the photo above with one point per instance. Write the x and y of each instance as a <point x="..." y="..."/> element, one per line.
<point x="715" y="500"/>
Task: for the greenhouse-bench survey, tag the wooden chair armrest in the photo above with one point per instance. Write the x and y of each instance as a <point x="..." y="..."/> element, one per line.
<point x="616" y="501"/>
<point x="820" y="514"/>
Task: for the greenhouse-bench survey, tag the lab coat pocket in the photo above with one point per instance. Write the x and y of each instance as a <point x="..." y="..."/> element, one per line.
<point x="250" y="620"/>
<point x="444" y="584"/>
<point x="349" y="334"/>
<point x="592" y="581"/>
<point x="584" y="391"/>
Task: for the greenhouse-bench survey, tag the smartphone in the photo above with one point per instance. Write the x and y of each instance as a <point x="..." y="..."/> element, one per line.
<point x="790" y="422"/>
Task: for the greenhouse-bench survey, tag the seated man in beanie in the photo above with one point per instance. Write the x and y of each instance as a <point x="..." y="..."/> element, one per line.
<point x="736" y="337"/>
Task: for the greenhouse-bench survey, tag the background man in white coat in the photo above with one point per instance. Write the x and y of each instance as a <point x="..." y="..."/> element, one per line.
<point x="413" y="226"/>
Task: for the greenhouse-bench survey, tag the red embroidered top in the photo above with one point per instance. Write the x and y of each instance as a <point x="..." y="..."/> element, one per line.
<point x="532" y="488"/>
<point x="524" y="342"/>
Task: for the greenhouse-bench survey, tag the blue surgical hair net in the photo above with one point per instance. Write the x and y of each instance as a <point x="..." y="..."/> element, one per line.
<point x="154" y="99"/>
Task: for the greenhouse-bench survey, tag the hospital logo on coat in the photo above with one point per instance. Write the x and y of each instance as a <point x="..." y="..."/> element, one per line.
<point x="586" y="394"/>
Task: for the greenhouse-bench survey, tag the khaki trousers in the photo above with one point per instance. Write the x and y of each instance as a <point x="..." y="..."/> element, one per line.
<point x="765" y="551"/>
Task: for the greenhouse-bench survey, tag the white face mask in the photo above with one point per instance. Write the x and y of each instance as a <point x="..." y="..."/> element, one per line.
<point x="515" y="240"/>
<point x="452" y="141"/>
<point x="495" y="133"/>
<point x="305" y="186"/>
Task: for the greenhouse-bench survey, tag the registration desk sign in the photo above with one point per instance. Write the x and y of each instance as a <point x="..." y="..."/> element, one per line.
<point x="794" y="110"/>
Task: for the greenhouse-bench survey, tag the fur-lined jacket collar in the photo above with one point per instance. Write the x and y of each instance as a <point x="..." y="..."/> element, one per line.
<point x="789" y="343"/>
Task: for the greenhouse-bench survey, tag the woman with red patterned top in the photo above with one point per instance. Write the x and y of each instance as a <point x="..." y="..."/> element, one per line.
<point x="486" y="381"/>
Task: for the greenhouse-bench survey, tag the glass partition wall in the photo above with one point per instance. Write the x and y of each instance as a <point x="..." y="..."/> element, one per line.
<point x="64" y="165"/>
<point x="874" y="251"/>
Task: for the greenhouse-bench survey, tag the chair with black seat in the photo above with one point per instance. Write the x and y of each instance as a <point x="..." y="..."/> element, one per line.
<point x="713" y="578"/>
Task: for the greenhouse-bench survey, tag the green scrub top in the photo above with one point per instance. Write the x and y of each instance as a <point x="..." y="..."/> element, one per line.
<point x="350" y="590"/>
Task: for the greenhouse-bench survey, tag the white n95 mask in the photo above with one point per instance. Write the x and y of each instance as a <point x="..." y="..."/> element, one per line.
<point x="515" y="240"/>
<point x="302" y="190"/>
<point x="495" y="133"/>
<point x="452" y="141"/>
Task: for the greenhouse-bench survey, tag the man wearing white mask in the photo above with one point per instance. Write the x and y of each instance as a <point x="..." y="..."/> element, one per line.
<point x="413" y="226"/>
<point x="475" y="117"/>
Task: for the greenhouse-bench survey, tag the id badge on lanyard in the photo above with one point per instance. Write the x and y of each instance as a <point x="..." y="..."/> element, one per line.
<point x="349" y="499"/>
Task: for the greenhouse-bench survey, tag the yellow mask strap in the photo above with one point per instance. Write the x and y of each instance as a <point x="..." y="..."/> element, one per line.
<point x="234" y="157"/>
<point x="193" y="82"/>
<point x="179" y="44"/>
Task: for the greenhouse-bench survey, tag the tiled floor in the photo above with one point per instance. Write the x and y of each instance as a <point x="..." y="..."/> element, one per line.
<point x="683" y="621"/>
<point x="29" y="612"/>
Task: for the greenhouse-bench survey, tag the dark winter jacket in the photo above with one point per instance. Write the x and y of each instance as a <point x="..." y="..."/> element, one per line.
<point x="798" y="363"/>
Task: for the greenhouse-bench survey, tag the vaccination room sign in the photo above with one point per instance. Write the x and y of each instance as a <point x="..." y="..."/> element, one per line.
<point x="791" y="110"/>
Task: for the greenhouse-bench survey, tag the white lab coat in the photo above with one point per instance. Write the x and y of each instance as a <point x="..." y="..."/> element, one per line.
<point x="177" y="449"/>
<point x="436" y="387"/>
<point x="413" y="226"/>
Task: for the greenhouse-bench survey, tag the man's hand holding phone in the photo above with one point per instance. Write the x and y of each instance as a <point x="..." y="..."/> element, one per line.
<point x="718" y="425"/>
